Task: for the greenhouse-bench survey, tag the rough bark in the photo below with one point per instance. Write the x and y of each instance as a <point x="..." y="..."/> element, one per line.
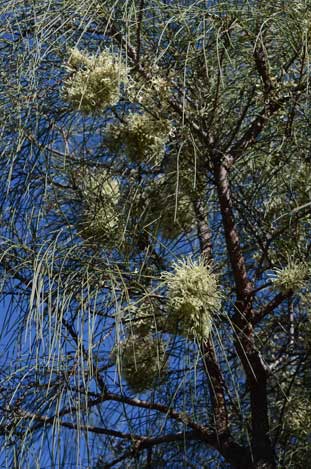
<point x="254" y="368"/>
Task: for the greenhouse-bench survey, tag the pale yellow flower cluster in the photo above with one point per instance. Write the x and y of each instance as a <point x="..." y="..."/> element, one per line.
<point x="100" y="220"/>
<point x="141" y="361"/>
<point x="193" y="298"/>
<point x="141" y="138"/>
<point x="291" y="277"/>
<point x="143" y="318"/>
<point x="94" y="82"/>
<point x="158" y="90"/>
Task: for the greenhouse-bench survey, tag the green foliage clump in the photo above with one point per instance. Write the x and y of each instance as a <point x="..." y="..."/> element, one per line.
<point x="100" y="220"/>
<point x="305" y="327"/>
<point x="141" y="137"/>
<point x="286" y="191"/>
<point x="297" y="425"/>
<point x="178" y="217"/>
<point x="291" y="277"/>
<point x="170" y="209"/>
<point x="94" y="83"/>
<point x="298" y="416"/>
<point x="141" y="360"/>
<point x="193" y="298"/>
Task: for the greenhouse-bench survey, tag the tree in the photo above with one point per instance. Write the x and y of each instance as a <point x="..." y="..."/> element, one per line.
<point x="155" y="234"/>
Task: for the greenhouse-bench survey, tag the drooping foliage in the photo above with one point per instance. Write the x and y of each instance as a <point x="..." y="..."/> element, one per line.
<point x="155" y="233"/>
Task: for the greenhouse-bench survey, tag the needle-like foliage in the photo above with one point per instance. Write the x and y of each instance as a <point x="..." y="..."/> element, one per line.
<point x="155" y="226"/>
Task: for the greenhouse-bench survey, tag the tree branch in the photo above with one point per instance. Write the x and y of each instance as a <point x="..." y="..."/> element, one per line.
<point x="254" y="368"/>
<point x="271" y="306"/>
<point x="237" y="262"/>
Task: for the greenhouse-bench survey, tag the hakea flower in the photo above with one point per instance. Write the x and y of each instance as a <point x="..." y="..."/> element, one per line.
<point x="100" y="220"/>
<point x="94" y="83"/>
<point x="143" y="318"/>
<point x="141" y="137"/>
<point x="193" y="298"/>
<point x="141" y="361"/>
<point x="157" y="90"/>
<point x="292" y="277"/>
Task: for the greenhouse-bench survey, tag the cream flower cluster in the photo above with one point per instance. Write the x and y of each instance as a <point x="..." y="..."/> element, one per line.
<point x="100" y="219"/>
<point x="141" y="137"/>
<point x="143" y="319"/>
<point x="291" y="277"/>
<point x="94" y="83"/>
<point x="193" y="298"/>
<point x="158" y="90"/>
<point x="141" y="361"/>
